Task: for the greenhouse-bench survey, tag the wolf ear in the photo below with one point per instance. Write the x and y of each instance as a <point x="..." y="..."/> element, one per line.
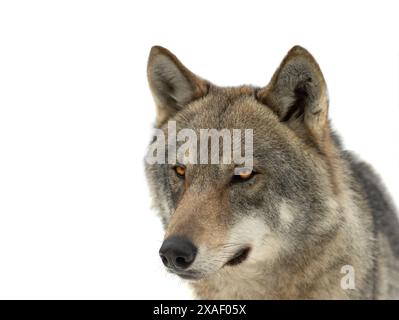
<point x="297" y="93"/>
<point x="172" y="84"/>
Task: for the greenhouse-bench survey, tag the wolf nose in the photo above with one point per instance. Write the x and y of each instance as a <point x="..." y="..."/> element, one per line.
<point x="177" y="253"/>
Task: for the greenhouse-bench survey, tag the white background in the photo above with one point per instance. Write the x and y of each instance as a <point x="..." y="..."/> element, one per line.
<point x="76" y="114"/>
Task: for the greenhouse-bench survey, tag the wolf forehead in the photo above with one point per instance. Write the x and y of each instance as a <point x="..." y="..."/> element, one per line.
<point x="226" y="107"/>
<point x="229" y="115"/>
<point x="236" y="109"/>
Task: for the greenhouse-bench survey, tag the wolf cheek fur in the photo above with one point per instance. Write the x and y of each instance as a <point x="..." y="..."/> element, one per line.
<point x="310" y="211"/>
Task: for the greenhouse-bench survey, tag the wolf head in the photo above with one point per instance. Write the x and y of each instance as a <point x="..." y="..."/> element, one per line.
<point x="218" y="221"/>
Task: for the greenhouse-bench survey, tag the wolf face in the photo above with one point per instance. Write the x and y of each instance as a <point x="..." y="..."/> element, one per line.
<point x="217" y="222"/>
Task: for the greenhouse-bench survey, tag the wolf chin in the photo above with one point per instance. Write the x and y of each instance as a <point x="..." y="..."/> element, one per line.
<point x="308" y="217"/>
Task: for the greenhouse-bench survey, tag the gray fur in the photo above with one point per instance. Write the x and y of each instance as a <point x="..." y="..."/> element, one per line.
<point x="311" y="209"/>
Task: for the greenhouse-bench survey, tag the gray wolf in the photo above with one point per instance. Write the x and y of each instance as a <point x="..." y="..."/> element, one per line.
<point x="309" y="220"/>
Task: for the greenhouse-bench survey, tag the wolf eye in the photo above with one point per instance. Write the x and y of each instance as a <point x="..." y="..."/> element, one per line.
<point x="180" y="171"/>
<point x="243" y="175"/>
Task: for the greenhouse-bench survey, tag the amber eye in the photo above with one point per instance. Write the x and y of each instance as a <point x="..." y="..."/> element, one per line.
<point x="180" y="171"/>
<point x="243" y="175"/>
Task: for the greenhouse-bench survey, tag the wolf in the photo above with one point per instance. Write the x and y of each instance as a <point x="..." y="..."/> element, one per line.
<point x="309" y="221"/>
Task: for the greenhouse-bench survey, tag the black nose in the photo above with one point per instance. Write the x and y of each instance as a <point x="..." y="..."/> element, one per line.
<point x="177" y="253"/>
